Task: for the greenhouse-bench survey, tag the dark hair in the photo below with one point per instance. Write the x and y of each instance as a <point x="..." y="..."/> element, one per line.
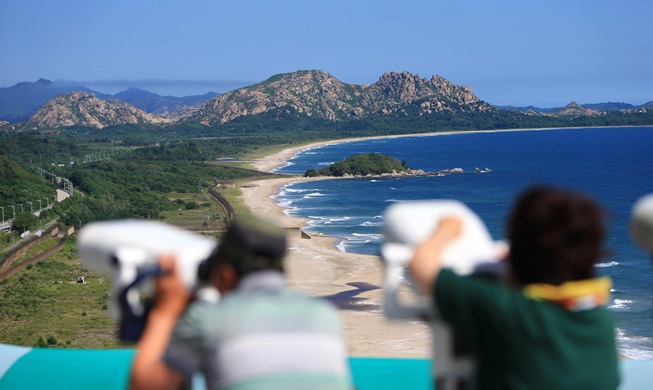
<point x="555" y="236"/>
<point x="249" y="245"/>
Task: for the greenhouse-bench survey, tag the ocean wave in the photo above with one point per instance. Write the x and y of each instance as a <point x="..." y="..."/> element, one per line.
<point x="619" y="304"/>
<point x="294" y="190"/>
<point x="285" y="164"/>
<point x="378" y="216"/>
<point x="327" y="163"/>
<point x="608" y="264"/>
<point x="369" y="223"/>
<point x="286" y="203"/>
<point x="368" y="235"/>
<point x="337" y="219"/>
<point x="634" y="347"/>
<point x="290" y="211"/>
<point x="313" y="195"/>
<point x="357" y="239"/>
<point x="298" y="190"/>
<point x="328" y="220"/>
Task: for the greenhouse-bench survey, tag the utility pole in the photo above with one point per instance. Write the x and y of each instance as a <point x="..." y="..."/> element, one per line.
<point x="47" y="202"/>
<point x="40" y="206"/>
<point x="3" y="216"/>
<point x="31" y="209"/>
<point x="13" y="208"/>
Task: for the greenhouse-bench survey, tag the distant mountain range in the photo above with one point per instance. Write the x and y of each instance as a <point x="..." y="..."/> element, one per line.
<point x="20" y="102"/>
<point x="610" y="106"/>
<point x="169" y="106"/>
<point x="312" y="93"/>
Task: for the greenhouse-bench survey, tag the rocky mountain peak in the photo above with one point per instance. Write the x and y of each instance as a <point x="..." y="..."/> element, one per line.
<point x="84" y="109"/>
<point x="402" y="85"/>
<point x="309" y="92"/>
<point x="574" y="108"/>
<point x="320" y="94"/>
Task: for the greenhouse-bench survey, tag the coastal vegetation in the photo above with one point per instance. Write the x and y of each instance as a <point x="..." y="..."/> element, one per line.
<point x="42" y="303"/>
<point x="19" y="184"/>
<point x="163" y="171"/>
<point x="44" y="306"/>
<point x="361" y="165"/>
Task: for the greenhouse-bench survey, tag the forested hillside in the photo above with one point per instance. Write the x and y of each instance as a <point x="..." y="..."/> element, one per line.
<point x="19" y="184"/>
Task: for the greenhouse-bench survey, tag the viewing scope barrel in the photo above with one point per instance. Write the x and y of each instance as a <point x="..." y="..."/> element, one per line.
<point x="129" y="250"/>
<point x="473" y="252"/>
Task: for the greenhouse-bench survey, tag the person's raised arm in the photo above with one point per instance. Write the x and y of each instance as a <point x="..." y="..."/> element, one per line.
<point x="148" y="369"/>
<point x="426" y="262"/>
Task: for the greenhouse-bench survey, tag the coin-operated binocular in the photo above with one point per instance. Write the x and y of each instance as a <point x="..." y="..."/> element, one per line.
<point x="472" y="253"/>
<point x="641" y="223"/>
<point x="129" y="250"/>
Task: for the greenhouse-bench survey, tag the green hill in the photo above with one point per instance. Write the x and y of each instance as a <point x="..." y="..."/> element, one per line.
<point x="361" y="165"/>
<point x="18" y="185"/>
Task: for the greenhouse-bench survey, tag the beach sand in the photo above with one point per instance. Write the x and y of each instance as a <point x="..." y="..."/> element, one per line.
<point x="316" y="267"/>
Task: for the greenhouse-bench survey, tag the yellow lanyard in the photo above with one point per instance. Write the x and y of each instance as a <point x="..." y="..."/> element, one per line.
<point x="574" y="296"/>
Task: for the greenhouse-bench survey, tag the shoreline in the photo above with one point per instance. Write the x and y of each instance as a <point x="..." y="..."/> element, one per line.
<point x="316" y="267"/>
<point x="277" y="160"/>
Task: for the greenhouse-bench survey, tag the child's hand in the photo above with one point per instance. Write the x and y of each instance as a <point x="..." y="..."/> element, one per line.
<point x="171" y="294"/>
<point x="448" y="228"/>
<point x="427" y="263"/>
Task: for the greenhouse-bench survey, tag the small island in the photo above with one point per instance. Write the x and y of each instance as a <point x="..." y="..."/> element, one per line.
<point x="369" y="164"/>
<point x="377" y="165"/>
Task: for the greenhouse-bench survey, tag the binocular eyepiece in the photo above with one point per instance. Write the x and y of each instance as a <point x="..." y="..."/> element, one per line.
<point x="473" y="252"/>
<point x="641" y="223"/>
<point x="129" y="250"/>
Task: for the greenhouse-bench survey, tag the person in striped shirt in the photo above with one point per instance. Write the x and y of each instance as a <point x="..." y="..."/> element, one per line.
<point x="259" y="335"/>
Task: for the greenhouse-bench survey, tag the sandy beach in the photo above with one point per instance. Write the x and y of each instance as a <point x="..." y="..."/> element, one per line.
<point x="316" y="267"/>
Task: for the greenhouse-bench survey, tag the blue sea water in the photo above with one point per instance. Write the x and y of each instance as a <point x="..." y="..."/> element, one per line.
<point x="614" y="165"/>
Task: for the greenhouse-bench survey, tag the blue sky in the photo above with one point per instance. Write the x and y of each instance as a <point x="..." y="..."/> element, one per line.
<point x="544" y="53"/>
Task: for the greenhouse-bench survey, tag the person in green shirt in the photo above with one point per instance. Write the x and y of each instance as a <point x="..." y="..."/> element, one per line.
<point x="547" y="327"/>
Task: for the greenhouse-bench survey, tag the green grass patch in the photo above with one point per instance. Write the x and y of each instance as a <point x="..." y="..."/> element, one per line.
<point x="45" y="306"/>
<point x="235" y="197"/>
<point x="271" y="149"/>
<point x="36" y="249"/>
<point x="195" y="212"/>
